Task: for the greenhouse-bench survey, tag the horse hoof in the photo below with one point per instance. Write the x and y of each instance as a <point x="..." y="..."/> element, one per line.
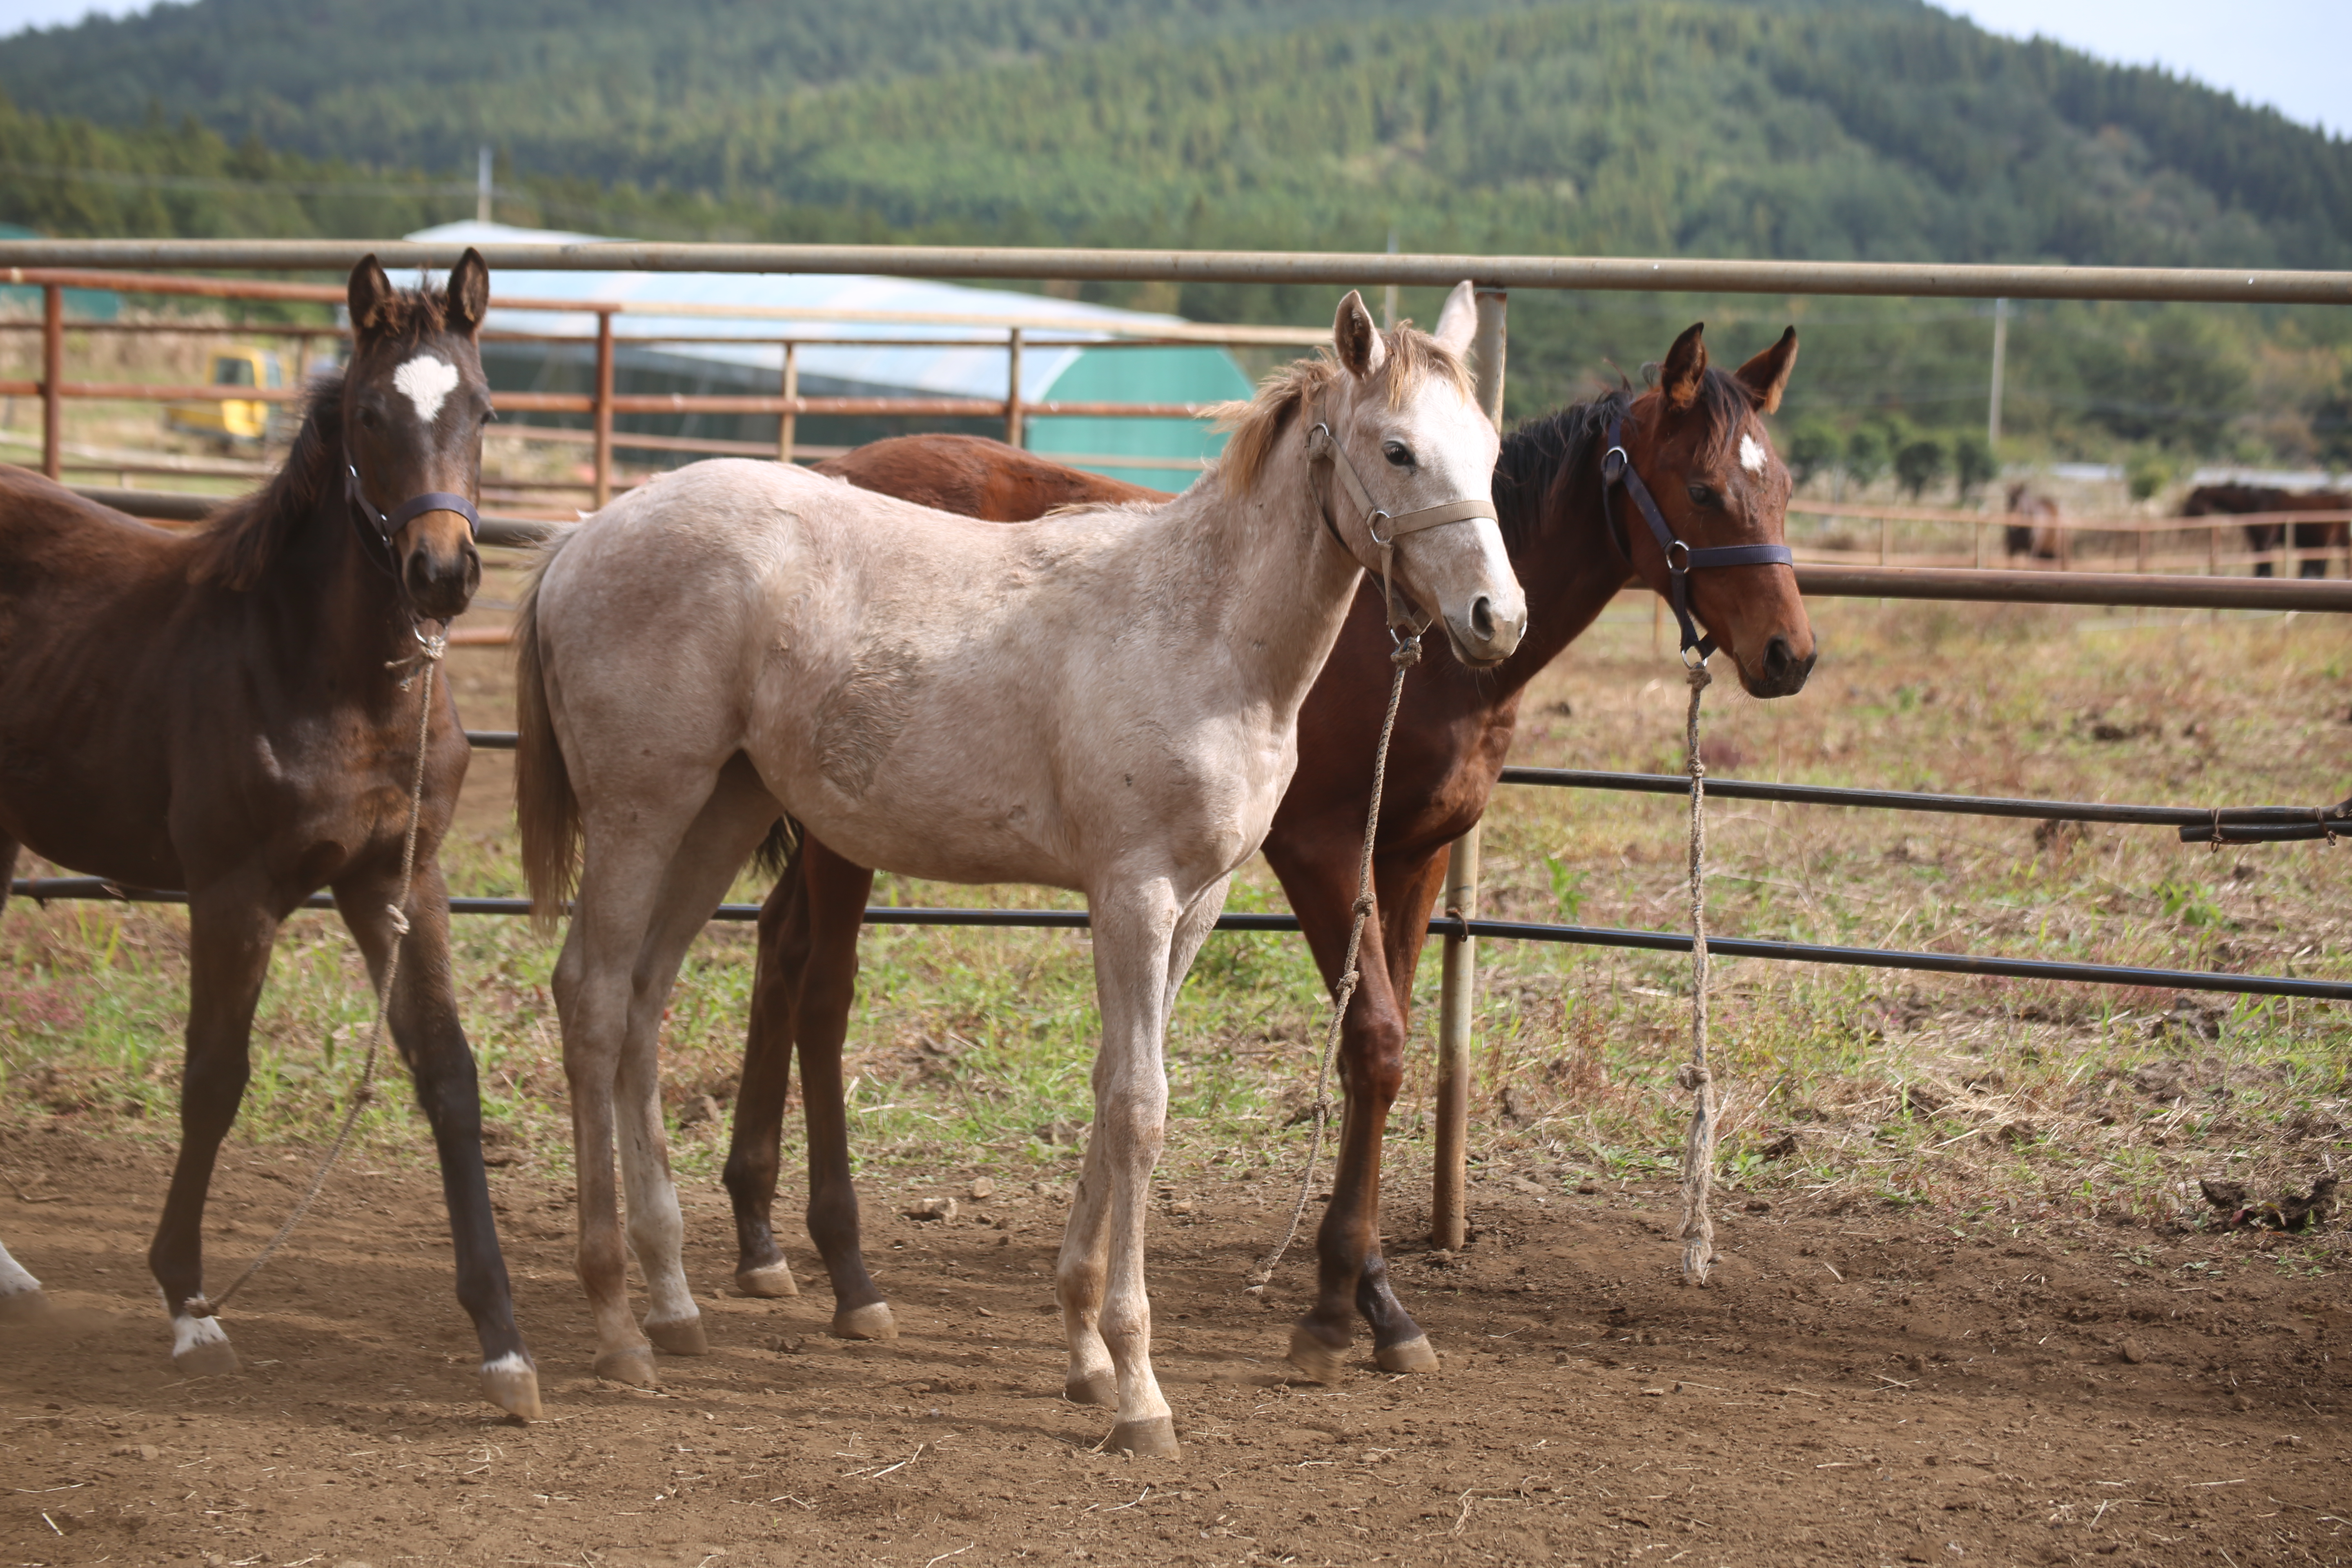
<point x="1093" y="1388"/>
<point x="511" y="1384"/>
<point x="680" y="1336"/>
<point x="871" y="1321"/>
<point x="1151" y="1439"/>
<point x="768" y="1281"/>
<point x="207" y="1358"/>
<point x="1313" y="1358"/>
<point x="24" y="1305"/>
<point x="1412" y="1356"/>
<point x="632" y="1366"/>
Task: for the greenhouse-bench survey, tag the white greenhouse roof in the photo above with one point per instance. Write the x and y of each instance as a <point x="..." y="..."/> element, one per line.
<point x="921" y="310"/>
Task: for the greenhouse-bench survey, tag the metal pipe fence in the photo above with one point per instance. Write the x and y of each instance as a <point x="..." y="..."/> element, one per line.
<point x="1454" y="927"/>
<point x="1458" y="926"/>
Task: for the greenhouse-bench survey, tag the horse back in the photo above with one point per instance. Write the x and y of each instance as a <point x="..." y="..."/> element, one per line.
<point x="974" y="476"/>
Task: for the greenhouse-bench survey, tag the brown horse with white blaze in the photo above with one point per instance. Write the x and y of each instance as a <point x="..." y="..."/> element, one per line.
<point x="1572" y="540"/>
<point x="234" y="712"/>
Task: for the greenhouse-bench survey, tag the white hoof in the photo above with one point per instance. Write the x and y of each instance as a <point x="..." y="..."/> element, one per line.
<point x="511" y="1384"/>
<point x="679" y="1336"/>
<point x="200" y="1348"/>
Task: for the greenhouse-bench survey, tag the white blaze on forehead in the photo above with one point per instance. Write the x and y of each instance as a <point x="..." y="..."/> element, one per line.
<point x="1751" y="454"/>
<point x="426" y="381"/>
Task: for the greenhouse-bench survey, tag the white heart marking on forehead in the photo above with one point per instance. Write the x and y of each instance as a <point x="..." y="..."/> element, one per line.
<point x="427" y="381"/>
<point x="1751" y="454"/>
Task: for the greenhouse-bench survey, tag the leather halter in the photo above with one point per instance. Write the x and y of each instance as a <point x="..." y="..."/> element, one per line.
<point x="1322" y="446"/>
<point x="1617" y="469"/>
<point x="387" y="525"/>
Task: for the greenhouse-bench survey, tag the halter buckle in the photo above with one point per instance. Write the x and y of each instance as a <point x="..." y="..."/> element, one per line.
<point x="1372" y="527"/>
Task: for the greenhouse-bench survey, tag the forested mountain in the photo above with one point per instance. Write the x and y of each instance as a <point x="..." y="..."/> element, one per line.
<point x="1781" y="128"/>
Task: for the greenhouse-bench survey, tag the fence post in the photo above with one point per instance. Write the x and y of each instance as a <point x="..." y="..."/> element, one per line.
<point x="1449" y="1205"/>
<point x="53" y="370"/>
<point x="1013" y="387"/>
<point x="787" y="422"/>
<point x="603" y="408"/>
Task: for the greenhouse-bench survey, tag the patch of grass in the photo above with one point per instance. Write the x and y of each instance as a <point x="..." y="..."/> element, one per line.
<point x="1985" y="1101"/>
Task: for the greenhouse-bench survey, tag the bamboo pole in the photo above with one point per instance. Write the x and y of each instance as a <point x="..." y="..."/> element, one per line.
<point x="1449" y="1207"/>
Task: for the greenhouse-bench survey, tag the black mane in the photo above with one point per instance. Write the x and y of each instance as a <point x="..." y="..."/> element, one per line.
<point x="1538" y="452"/>
<point x="244" y="536"/>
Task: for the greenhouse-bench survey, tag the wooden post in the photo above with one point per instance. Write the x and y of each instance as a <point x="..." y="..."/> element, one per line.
<point x="1449" y="1205"/>
<point x="53" y="371"/>
<point x="603" y="408"/>
<point x="1980" y="530"/>
<point x="788" y="422"/>
<point x="1012" y="388"/>
<point x="1886" y="540"/>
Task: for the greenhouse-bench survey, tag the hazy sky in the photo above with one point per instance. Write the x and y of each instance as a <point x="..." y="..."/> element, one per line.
<point x="2290" y="53"/>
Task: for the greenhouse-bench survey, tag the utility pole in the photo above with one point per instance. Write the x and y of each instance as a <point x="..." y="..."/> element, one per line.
<point x="482" y="188"/>
<point x="2000" y="358"/>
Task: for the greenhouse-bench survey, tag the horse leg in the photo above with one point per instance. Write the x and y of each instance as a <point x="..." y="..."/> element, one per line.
<point x="1139" y="934"/>
<point x="1408" y="891"/>
<point x="423" y="1017"/>
<point x="836" y="894"/>
<point x="229" y="935"/>
<point x="20" y="1293"/>
<point x="628" y="845"/>
<point x="724" y="833"/>
<point x="756" y="1134"/>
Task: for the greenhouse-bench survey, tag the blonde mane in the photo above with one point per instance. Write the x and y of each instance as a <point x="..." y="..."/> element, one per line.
<point x="1413" y="356"/>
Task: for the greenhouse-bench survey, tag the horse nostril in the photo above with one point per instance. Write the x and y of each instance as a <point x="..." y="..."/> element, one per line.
<point x="1778" y="658"/>
<point x="1482" y="618"/>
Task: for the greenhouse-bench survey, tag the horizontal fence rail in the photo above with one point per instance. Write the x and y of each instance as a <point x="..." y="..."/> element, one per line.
<point x="1917" y="280"/>
<point x="41" y="890"/>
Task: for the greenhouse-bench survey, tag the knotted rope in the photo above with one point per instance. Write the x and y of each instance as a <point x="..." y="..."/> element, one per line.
<point x="431" y="650"/>
<point x="1406" y="654"/>
<point x="1697" y="1230"/>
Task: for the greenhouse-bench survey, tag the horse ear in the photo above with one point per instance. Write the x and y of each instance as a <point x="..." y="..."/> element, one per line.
<point x="1358" y="341"/>
<point x="1767" y="375"/>
<point x="470" y="293"/>
<point x="1458" y="322"/>
<point x="1685" y="364"/>
<point x="371" y="295"/>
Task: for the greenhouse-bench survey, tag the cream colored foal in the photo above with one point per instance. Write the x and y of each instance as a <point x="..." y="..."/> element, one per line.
<point x="1104" y="700"/>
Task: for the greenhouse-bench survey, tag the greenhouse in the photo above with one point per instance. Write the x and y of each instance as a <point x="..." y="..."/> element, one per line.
<point x="938" y="320"/>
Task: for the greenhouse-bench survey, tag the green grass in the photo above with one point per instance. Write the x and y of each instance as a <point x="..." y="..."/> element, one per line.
<point x="1977" y="1100"/>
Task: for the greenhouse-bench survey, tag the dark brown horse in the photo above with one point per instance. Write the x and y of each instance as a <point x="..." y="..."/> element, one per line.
<point x="234" y="712"/>
<point x="2035" y="532"/>
<point x="1698" y="443"/>
<point x="2313" y="541"/>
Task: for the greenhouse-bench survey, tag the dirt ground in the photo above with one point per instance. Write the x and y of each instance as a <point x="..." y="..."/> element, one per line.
<point x="1862" y="1386"/>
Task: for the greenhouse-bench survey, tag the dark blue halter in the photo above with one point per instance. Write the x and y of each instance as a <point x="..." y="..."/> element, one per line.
<point x="389" y="524"/>
<point x="1617" y="469"/>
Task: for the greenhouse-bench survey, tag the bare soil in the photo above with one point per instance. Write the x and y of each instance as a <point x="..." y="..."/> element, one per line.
<point x="1861" y="1385"/>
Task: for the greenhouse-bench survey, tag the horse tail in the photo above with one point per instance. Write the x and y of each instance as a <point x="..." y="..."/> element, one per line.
<point x="779" y="854"/>
<point x="546" y="809"/>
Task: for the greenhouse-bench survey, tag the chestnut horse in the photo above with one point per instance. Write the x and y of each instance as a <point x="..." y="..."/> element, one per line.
<point x="1710" y="464"/>
<point x="2313" y="541"/>
<point x="232" y="711"/>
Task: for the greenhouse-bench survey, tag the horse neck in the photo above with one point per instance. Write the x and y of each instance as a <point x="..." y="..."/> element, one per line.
<point x="1287" y="583"/>
<point x="327" y="596"/>
<point x="1555" y="533"/>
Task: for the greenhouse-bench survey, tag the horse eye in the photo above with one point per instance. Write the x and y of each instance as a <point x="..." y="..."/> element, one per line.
<point x="1703" y="495"/>
<point x="1398" y="453"/>
<point x="368" y="419"/>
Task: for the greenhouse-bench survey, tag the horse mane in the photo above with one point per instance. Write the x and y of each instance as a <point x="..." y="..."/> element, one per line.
<point x="244" y="538"/>
<point x="1538" y="451"/>
<point x="1413" y="356"/>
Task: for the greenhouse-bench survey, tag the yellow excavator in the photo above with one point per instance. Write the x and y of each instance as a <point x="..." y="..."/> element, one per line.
<point x="233" y="421"/>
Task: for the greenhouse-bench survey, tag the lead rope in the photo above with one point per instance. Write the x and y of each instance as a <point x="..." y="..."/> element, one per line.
<point x="1697" y="1230"/>
<point x="431" y="648"/>
<point x="1406" y="654"/>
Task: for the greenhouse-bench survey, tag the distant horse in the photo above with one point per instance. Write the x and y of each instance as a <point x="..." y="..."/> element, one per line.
<point x="232" y="712"/>
<point x="1106" y="700"/>
<point x="2313" y="541"/>
<point x="1710" y="464"/>
<point x="2036" y="534"/>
